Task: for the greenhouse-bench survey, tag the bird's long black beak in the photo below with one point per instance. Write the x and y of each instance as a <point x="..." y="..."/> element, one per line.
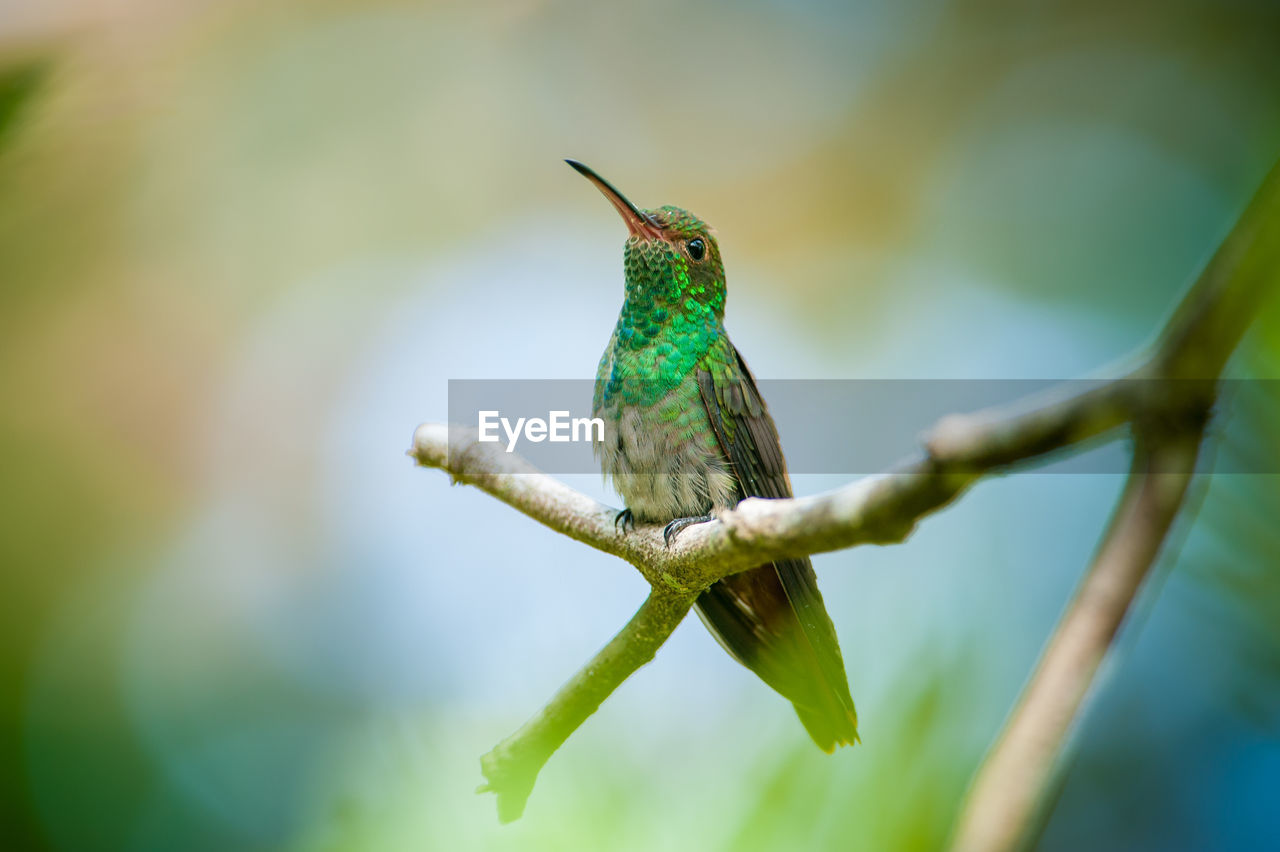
<point x="638" y="224"/>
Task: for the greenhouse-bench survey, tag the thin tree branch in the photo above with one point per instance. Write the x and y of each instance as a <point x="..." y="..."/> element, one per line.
<point x="1006" y="803"/>
<point x="881" y="509"/>
<point x="1166" y="400"/>
<point x="1009" y="793"/>
<point x="513" y="764"/>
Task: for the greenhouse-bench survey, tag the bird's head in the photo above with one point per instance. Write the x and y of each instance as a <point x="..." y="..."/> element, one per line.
<point x="671" y="257"/>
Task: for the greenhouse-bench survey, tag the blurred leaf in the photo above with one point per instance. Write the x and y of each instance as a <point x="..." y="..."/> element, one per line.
<point x="19" y="84"/>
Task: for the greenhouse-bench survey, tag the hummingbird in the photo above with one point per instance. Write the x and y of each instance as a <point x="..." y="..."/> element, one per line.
<point x="687" y="435"/>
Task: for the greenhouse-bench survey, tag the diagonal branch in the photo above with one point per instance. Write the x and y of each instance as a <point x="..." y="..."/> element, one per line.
<point x="513" y="764"/>
<point x="881" y="509"/>
<point x="1007" y="801"/>
<point x="1166" y="400"/>
<point x="1009" y="793"/>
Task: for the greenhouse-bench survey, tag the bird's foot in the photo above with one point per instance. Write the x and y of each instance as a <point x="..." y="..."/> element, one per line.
<point x="624" y="519"/>
<point x="671" y="530"/>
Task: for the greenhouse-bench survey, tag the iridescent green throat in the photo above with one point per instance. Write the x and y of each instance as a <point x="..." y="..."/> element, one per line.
<point x="673" y="312"/>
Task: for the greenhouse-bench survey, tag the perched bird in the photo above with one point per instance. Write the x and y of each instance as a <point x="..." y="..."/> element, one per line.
<point x="687" y="434"/>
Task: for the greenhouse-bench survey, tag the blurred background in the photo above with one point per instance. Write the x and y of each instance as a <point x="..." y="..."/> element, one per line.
<point x="244" y="246"/>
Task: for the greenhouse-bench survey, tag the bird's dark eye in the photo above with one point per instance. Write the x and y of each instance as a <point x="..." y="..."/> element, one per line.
<point x="697" y="248"/>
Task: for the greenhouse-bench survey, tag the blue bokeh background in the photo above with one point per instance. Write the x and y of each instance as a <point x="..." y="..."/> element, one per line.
<point x="245" y="248"/>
